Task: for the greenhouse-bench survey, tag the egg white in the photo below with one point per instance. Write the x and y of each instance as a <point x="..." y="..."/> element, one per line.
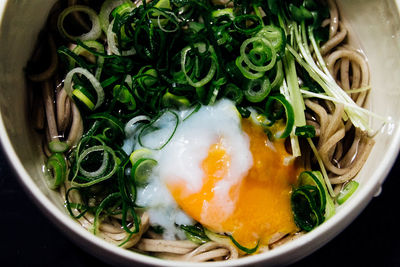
<point x="182" y="158"/>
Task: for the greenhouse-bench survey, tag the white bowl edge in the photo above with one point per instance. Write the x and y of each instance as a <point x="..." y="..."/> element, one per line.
<point x="59" y="218"/>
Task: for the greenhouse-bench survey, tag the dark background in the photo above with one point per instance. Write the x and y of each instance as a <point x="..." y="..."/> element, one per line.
<point x="29" y="239"/>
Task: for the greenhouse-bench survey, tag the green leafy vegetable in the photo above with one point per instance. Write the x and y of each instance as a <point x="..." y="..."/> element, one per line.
<point x="195" y="233"/>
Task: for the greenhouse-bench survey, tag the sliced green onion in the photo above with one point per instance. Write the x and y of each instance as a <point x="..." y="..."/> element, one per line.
<point x="154" y="126"/>
<point x="245" y="19"/>
<point x="330" y="205"/>
<point x="308" y="178"/>
<point x="100" y="171"/>
<point x="296" y="99"/>
<point x="76" y="206"/>
<point x="195" y="233"/>
<point x="276" y="36"/>
<point x="79" y="94"/>
<point x="306" y="213"/>
<point x="162" y="9"/>
<point x="56" y="170"/>
<point x="83" y="47"/>
<point x="106" y="202"/>
<point x="279" y="76"/>
<point x="244" y="249"/>
<point x="223" y="12"/>
<point x="347" y="191"/>
<point x="123" y="95"/>
<point x="111" y="121"/>
<point x="104" y="176"/>
<point x="109" y="81"/>
<point x="71" y="58"/>
<point x="132" y="125"/>
<point x="263" y="49"/>
<point x="170" y="100"/>
<point x="58" y="146"/>
<point x="233" y="92"/>
<point x="223" y="239"/>
<point x="94" y="32"/>
<point x="106" y="8"/>
<point x="257" y="90"/>
<point x="288" y="110"/>
<point x="246" y="72"/>
<point x="142" y="169"/>
<point x="163" y="4"/>
<point x="323" y="203"/>
<point x="136" y="221"/>
<point x="148" y="76"/>
<point x="213" y="68"/>
<point x="214" y="89"/>
<point x="194" y="111"/>
<point x="123" y="8"/>
<point x="127" y="186"/>
<point x="112" y="43"/>
<point x="95" y="83"/>
<point x="140" y="154"/>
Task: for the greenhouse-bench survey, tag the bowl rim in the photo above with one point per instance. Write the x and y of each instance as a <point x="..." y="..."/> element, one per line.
<point x="343" y="218"/>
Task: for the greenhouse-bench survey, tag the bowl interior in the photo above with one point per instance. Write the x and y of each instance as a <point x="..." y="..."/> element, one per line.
<point x="376" y="23"/>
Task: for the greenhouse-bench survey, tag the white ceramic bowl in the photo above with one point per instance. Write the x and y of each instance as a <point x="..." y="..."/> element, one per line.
<point x="375" y="22"/>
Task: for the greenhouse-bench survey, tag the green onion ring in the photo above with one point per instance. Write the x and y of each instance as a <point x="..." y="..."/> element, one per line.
<point x="246" y="73"/>
<point x="151" y="124"/>
<point x="84" y="154"/>
<point x="100" y="208"/>
<point x="347" y="191"/>
<point x="58" y="146"/>
<point x="136" y="221"/>
<point x="289" y="114"/>
<point x="253" y="18"/>
<point x="308" y="178"/>
<point x="267" y="48"/>
<point x="256" y="96"/>
<point x="76" y="206"/>
<point x="82" y="47"/>
<point x="306" y="217"/>
<point x="56" y="173"/>
<point x="106" y="8"/>
<point x="233" y="92"/>
<point x="112" y="44"/>
<point x="278" y="79"/>
<point x="95" y="83"/>
<point x="93" y="34"/>
<point x="211" y="72"/>
<point x="247" y="250"/>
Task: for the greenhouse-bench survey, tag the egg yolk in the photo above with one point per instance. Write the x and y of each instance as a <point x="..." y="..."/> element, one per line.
<point x="255" y="207"/>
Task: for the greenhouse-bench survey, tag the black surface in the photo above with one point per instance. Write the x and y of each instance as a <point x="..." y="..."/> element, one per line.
<point x="28" y="238"/>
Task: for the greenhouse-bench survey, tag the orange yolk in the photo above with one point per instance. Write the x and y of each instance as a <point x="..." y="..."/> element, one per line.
<point x="258" y="205"/>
